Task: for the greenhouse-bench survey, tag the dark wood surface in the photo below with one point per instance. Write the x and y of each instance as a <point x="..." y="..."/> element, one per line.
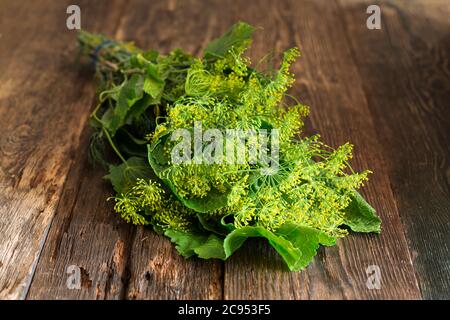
<point x="387" y="91"/>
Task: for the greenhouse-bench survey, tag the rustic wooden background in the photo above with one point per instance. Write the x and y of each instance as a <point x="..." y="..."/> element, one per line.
<point x="387" y="91"/>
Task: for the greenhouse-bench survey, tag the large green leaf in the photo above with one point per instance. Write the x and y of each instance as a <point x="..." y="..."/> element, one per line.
<point x="238" y="35"/>
<point x="360" y="216"/>
<point x="124" y="176"/>
<point x="213" y="201"/>
<point x="204" y="246"/>
<point x="210" y="223"/>
<point x="296" y="244"/>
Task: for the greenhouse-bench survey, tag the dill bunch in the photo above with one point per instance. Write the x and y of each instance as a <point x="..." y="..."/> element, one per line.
<point x="293" y="190"/>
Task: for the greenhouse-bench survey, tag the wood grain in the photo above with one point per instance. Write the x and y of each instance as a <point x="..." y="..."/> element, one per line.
<point x="329" y="81"/>
<point x="387" y="91"/>
<point x="43" y="108"/>
<point x="117" y="260"/>
<point x="405" y="73"/>
<point x="157" y="270"/>
<point x="55" y="97"/>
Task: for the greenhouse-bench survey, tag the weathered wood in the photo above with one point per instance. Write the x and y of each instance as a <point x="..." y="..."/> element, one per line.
<point x="405" y="72"/>
<point x="84" y="235"/>
<point x="328" y="81"/>
<point x="157" y="270"/>
<point x="117" y="260"/>
<point x="43" y="107"/>
<point x="384" y="90"/>
<point x="82" y="231"/>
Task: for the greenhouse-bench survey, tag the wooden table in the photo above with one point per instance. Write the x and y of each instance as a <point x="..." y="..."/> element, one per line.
<point x="387" y="91"/>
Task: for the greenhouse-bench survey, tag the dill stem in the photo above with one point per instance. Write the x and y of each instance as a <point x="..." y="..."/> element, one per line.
<point x="94" y="112"/>
<point x="113" y="145"/>
<point x="108" y="136"/>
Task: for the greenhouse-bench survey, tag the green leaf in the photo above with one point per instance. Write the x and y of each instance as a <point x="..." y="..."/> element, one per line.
<point x="124" y="176"/>
<point x="296" y="244"/>
<point x="237" y="238"/>
<point x="211" y="223"/>
<point x="153" y="83"/>
<point x="190" y="243"/>
<point x="238" y="35"/>
<point x="229" y="226"/>
<point x="157" y="157"/>
<point x="129" y="94"/>
<point x="360" y="216"/>
<point x="307" y="240"/>
<point x="213" y="201"/>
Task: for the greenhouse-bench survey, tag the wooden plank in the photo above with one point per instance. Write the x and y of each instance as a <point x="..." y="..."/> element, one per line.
<point x="120" y="261"/>
<point x="43" y="108"/>
<point x="117" y="260"/>
<point x="157" y="270"/>
<point x="330" y="83"/>
<point x="406" y="77"/>
<point x="85" y="238"/>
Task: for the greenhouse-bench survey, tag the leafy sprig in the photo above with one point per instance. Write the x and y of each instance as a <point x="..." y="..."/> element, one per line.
<point x="209" y="210"/>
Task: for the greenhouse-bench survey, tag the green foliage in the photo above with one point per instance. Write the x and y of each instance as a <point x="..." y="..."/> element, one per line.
<point x="296" y="244"/>
<point x="238" y="37"/>
<point x="205" y="246"/>
<point x="130" y="92"/>
<point x="209" y="210"/>
<point x="125" y="175"/>
<point x="360" y="216"/>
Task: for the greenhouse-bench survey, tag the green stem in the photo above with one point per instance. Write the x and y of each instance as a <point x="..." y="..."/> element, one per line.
<point x="114" y="146"/>
<point x="94" y="113"/>
<point x="108" y="136"/>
